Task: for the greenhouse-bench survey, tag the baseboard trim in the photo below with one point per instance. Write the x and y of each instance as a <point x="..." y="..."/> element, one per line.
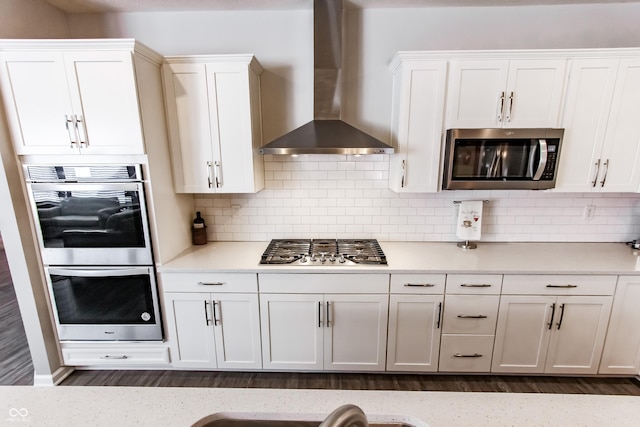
<point x="54" y="379"/>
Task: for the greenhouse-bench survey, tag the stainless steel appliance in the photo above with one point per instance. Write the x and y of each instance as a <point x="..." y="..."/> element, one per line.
<point x="92" y="225"/>
<point x="312" y="252"/>
<point x="494" y="159"/>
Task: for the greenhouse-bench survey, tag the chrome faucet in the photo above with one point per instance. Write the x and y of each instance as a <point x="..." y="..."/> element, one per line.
<point x="346" y="416"/>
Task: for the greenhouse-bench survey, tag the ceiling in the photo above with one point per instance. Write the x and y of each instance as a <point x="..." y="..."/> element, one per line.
<point x="106" y="6"/>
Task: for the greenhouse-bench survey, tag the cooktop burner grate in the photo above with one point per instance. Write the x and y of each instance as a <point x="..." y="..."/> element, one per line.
<point x="324" y="252"/>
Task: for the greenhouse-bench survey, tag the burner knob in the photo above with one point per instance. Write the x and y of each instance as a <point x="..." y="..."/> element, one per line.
<point x="303" y="258"/>
<point x="313" y="258"/>
<point x="332" y="258"/>
<point x="342" y="260"/>
<point x="322" y="258"/>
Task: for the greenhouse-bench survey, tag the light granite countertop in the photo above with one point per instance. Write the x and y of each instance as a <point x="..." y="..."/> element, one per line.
<point x="429" y="257"/>
<point x="181" y="406"/>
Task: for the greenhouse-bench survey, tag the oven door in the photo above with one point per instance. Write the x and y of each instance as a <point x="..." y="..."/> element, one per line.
<point x="91" y="224"/>
<point x="105" y="303"/>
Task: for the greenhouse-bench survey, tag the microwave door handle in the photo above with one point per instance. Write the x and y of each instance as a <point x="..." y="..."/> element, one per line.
<point x="543" y="160"/>
<point x="99" y="273"/>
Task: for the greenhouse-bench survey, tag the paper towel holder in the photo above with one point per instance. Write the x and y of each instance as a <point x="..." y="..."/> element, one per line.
<point x="467" y="244"/>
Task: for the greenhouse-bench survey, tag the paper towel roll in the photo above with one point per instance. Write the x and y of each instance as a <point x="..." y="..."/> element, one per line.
<point x="469" y="220"/>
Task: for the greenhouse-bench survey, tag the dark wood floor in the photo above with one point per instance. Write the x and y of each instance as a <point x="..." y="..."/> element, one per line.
<point x="16" y="369"/>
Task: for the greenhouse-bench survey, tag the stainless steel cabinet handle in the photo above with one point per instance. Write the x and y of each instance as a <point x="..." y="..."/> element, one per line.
<point x="109" y="357"/>
<point x="319" y="314"/>
<point x="472" y="316"/>
<point x="606" y="170"/>
<point x="474" y="285"/>
<point x="553" y="312"/>
<point x="209" y="180"/>
<point x="561" y="316"/>
<point x="216" y="321"/>
<point x="419" y="285"/>
<point x="500" y="106"/>
<point x="467" y="355"/>
<point x="595" y="176"/>
<point x="216" y="173"/>
<point x="543" y="160"/>
<point x="510" y="109"/>
<point x="84" y="138"/>
<point x="403" y="170"/>
<point x="70" y="120"/>
<point x="328" y="322"/>
<point x="206" y="313"/>
<point x="211" y="283"/>
<point x="562" y="286"/>
<point x="439" y="315"/>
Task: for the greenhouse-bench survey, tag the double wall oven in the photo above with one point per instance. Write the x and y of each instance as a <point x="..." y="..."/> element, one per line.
<point x="92" y="226"/>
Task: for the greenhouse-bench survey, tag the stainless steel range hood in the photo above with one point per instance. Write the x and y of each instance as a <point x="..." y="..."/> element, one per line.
<point x="326" y="133"/>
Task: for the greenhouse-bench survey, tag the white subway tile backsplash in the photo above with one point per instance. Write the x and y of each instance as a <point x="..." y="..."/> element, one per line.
<point x="337" y="196"/>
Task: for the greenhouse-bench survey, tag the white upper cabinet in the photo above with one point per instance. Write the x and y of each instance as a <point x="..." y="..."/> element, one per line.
<point x="62" y="101"/>
<point x="601" y="145"/>
<point x="525" y="93"/>
<point x="213" y="109"/>
<point x="416" y="128"/>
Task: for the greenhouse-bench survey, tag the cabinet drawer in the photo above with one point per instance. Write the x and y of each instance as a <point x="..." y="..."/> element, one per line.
<point x="488" y="284"/>
<point x="417" y="283"/>
<point x="209" y="282"/>
<point x="324" y="283"/>
<point x="115" y="356"/>
<point x="466" y="353"/>
<point x="548" y="284"/>
<point x="470" y="314"/>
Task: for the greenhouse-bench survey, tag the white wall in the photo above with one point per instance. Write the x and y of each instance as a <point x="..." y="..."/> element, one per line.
<point x="347" y="197"/>
<point x="303" y="196"/>
<point x="32" y="19"/>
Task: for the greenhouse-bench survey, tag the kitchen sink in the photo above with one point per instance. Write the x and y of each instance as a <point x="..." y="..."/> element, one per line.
<point x="344" y="415"/>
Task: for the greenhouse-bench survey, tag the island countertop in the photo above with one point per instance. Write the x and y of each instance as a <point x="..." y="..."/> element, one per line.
<point x="428" y="257"/>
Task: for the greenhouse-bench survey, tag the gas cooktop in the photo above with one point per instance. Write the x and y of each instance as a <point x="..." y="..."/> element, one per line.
<point x="312" y="252"/>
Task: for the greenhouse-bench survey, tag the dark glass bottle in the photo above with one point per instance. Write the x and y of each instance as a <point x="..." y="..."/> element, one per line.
<point x="198" y="230"/>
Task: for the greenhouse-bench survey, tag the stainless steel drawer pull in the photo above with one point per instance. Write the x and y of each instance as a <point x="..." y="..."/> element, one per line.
<point x="211" y="283"/>
<point x="107" y="357"/>
<point x="466" y="355"/>
<point x="420" y="285"/>
<point x="473" y="285"/>
<point x="562" y="286"/>
<point x="469" y="316"/>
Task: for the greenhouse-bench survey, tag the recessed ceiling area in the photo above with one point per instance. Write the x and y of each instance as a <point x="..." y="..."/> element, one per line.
<point x="115" y="6"/>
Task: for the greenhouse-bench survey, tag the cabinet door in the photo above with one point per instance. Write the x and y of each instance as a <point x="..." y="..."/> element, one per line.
<point x="588" y="100"/>
<point x="292" y="331"/>
<point x="621" y="354"/>
<point x="36" y="96"/>
<point x="189" y="128"/>
<point x="579" y="329"/>
<point x="477" y="94"/>
<point x="620" y="170"/>
<point x="237" y="331"/>
<point x="355" y="337"/>
<point x="419" y="89"/>
<point x="522" y="334"/>
<point x="103" y="92"/>
<point x="534" y="93"/>
<point x="231" y="128"/>
<point x="414" y="332"/>
<point x="189" y="320"/>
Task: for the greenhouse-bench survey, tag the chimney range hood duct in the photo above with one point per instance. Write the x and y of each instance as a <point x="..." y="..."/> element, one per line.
<point x="327" y="134"/>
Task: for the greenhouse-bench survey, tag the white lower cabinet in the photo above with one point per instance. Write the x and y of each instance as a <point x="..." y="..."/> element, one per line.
<point x="213" y="330"/>
<point x="621" y="354"/>
<point x="559" y="334"/>
<point x="115" y="354"/>
<point x="314" y="331"/>
<point x="415" y="319"/>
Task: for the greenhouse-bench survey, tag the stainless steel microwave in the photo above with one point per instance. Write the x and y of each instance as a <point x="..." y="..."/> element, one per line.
<point x="501" y="159"/>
